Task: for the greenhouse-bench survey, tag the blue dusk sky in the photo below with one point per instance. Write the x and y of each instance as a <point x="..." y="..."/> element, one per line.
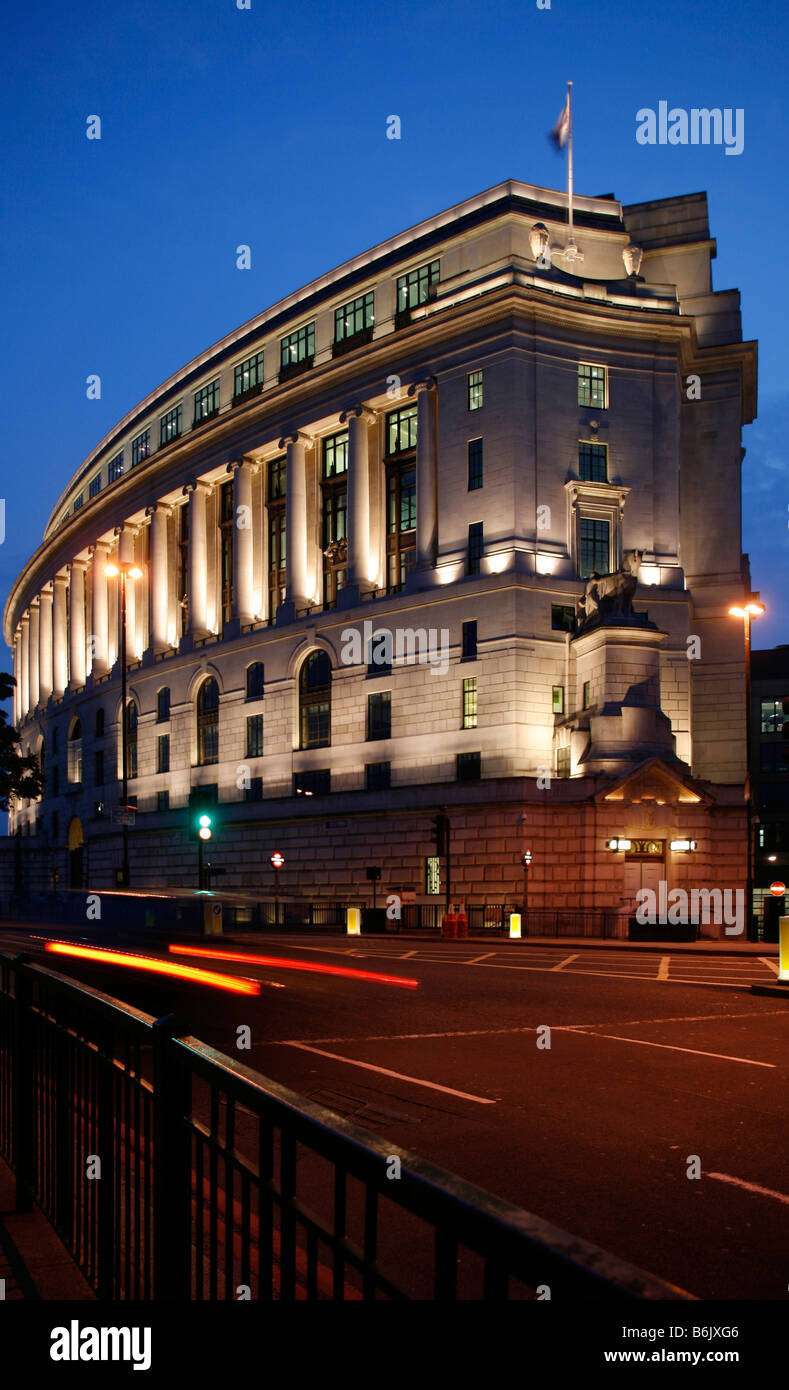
<point x="267" y="126"/>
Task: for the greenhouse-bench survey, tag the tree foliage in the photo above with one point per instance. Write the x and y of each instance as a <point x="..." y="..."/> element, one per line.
<point x="20" y="774"/>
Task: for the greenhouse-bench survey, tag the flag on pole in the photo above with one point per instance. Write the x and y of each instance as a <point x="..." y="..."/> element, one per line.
<point x="560" y="133"/>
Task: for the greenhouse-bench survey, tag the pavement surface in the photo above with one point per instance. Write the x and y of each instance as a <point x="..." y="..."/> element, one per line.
<point x="636" y="1097"/>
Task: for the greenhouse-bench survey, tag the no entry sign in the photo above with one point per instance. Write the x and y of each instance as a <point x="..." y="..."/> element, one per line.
<point x="277" y="859"/>
<point x="777" y="889"/>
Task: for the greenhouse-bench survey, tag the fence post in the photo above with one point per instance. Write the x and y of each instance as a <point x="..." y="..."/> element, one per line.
<point x="23" y="1105"/>
<point x="172" y="1166"/>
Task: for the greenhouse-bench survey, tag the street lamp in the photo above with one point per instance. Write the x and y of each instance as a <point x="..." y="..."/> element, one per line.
<point x="124" y="570"/>
<point x="751" y="608"/>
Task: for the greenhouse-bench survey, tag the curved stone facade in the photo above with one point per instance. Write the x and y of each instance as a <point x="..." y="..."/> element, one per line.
<point x="438" y="440"/>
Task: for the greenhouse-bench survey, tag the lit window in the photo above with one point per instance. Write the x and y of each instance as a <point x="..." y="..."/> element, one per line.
<point x="141" y="447"/>
<point x="115" y="468"/>
<point x="401" y="430"/>
<point x="206" y="402"/>
<point x="414" y="287"/>
<point x="470" y="703"/>
<point x="474" y="385"/>
<point x="592" y="386"/>
<point x="352" y="319"/>
<point x="248" y="376"/>
<point x="315" y="701"/>
<point x="587" y="695"/>
<point x="208" y="722"/>
<point x="563" y="761"/>
<point x="298" y="347"/>
<point x="170" y="426"/>
<point x="558" y="699"/>
<point x="335" y="455"/>
<point x="255" y="736"/>
<point x="595" y="547"/>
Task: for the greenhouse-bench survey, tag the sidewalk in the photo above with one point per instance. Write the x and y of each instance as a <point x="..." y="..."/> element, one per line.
<point x="732" y="947"/>
<point x="34" y="1264"/>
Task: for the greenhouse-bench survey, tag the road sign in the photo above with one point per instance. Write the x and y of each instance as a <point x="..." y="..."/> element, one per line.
<point x="277" y="859"/>
<point x="777" y="889"/>
<point x="526" y="859"/>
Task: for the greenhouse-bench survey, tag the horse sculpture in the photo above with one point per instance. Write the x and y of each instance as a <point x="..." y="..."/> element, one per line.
<point x="608" y="597"/>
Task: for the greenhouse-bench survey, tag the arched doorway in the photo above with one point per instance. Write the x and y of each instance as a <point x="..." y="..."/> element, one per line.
<point x="76" y="851"/>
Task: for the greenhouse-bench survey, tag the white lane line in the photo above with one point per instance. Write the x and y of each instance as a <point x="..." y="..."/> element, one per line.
<point x="772" y="965"/>
<point x="750" y="1187"/>
<point x="668" y="1047"/>
<point x="398" y="1075"/>
<point x="662" y="973"/>
<point x="408" y="955"/>
<point x="477" y="959"/>
<point x="564" y="962"/>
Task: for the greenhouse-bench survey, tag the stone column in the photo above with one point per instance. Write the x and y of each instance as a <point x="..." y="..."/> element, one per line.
<point x="17" y="673"/>
<point x="99" y="611"/>
<point x="33" y="650"/>
<point x="59" y="652"/>
<point x="159" y="579"/>
<point x="76" y="624"/>
<point x="24" y="705"/>
<point x="127" y="536"/>
<point x="358" y="577"/>
<point x="426" y="473"/>
<point x="296" y="595"/>
<point x="243" y="541"/>
<point x="198" y="560"/>
<point x="45" y="645"/>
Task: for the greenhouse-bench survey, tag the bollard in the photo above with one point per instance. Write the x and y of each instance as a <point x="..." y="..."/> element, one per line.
<point x="353" y="919"/>
<point x="515" y="926"/>
<point x="462" y="923"/>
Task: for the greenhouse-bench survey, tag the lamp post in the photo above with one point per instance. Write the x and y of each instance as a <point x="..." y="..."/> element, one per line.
<point x="751" y="608"/>
<point x="124" y="570"/>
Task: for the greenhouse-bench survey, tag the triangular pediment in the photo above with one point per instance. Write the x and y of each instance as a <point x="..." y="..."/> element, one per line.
<point x="657" y="782"/>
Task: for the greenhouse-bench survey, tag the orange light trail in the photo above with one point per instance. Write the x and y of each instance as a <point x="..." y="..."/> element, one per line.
<point x="274" y="963"/>
<point x="158" y="967"/>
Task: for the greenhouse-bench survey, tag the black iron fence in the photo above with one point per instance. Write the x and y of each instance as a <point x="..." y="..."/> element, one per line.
<point x="171" y="1171"/>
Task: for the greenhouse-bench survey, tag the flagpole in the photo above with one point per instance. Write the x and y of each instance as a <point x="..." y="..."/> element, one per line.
<point x="571" y="238"/>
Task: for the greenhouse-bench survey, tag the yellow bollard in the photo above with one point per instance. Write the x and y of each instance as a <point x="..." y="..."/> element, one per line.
<point x="354" y="921"/>
<point x="515" y="926"/>
<point x="783" y="950"/>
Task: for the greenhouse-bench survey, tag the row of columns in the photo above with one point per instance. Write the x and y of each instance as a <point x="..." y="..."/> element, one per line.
<point x="50" y="652"/>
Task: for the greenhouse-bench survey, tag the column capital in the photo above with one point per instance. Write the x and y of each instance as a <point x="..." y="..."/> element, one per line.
<point x="128" y="528"/>
<point x="35" y="601"/>
<point x="296" y="437"/>
<point x="195" y="485"/>
<point x="97" y="548"/>
<point x="246" y="462"/>
<point x="163" y="507"/>
<point x="80" y="566"/>
<point x="428" y="383"/>
<point x="360" y="411"/>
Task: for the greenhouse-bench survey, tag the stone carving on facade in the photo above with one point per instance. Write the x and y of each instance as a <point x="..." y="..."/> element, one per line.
<point x="608" y="598"/>
<point x="337" y="552"/>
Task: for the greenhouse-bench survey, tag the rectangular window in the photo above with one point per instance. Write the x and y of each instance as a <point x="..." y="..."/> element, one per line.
<point x="772" y="716"/>
<point x="163" y="801"/>
<point x="78" y="501"/>
<point x="562" y="617"/>
<point x="170" y="426"/>
<point x="469" y="767"/>
<point x="277" y="478"/>
<point x="401" y="430"/>
<point x="163" y="753"/>
<point x="587" y="695"/>
<point x="379" y="715"/>
<point x="248" y="376"/>
<point x="469" y="703"/>
<point x="378" y="777"/>
<point x="255" y="681"/>
<point x="592" y="462"/>
<point x="592" y="386"/>
<point x="141" y="447"/>
<point x="205" y="795"/>
<point x="298" y="347"/>
<point x="469" y="641"/>
<point x="476" y="546"/>
<point x="255" y="736"/>
<point x="558" y="699"/>
<point x="163" y="704"/>
<point x="54" y="781"/>
<point x="316" y="782"/>
<point x="353" y="318"/>
<point x="115" y="468"/>
<point x="595" y="547"/>
<point x="206" y="402"/>
<point x="98" y="769"/>
<point x="95" y="486"/>
<point x="771" y="757"/>
<point x="414" y="287"/>
<point x="335" y="455"/>
<point x="254" y="792"/>
<point x="563" y="761"/>
<point x="474" y="464"/>
<point x="474" y="387"/>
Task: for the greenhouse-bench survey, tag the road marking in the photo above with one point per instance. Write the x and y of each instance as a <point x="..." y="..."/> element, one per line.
<point x="398" y="1075"/>
<point x="477" y="959"/>
<point x="750" y="1187"/>
<point x="662" y="973"/>
<point x="564" y="962"/>
<point x="770" y="963"/>
<point x="408" y="955"/>
<point x="669" y="1047"/>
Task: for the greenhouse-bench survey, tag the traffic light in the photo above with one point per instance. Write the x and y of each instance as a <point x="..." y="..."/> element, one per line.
<point x="526" y="859"/>
<point x="204" y="829"/>
<point x="201" y="823"/>
<point x="785" y="728"/>
<point x="440" y="833"/>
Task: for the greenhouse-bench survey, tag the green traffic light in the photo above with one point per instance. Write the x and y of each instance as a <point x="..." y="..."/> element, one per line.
<point x="205" y="821"/>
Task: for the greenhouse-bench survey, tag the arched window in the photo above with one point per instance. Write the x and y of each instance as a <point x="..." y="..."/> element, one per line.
<point x="75" y="751"/>
<point x="163" y="704"/>
<point x="208" y="722"/>
<point x="315" y="701"/>
<point x="99" y="723"/>
<point x="255" y="681"/>
<point x="131" y="738"/>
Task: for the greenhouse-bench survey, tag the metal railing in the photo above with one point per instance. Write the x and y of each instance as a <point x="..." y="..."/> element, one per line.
<point x="173" y="1172"/>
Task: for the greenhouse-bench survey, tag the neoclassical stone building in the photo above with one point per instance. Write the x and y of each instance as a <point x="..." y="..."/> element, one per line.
<point x="436" y="443"/>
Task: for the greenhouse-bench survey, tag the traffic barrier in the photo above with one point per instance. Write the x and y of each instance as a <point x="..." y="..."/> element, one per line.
<point x="515" y="926"/>
<point x="353" y="921"/>
<point x="462" y="923"/>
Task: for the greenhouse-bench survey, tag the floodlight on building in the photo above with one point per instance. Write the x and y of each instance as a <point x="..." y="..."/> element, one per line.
<point x="682" y="846"/>
<point x="617" y="845"/>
